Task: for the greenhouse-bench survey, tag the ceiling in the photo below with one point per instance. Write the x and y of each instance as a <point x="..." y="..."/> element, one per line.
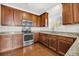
<point x="35" y="8"/>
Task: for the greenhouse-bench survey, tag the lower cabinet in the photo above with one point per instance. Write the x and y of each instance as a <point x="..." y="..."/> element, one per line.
<point x="44" y="39"/>
<point x="59" y="44"/>
<point x="36" y="37"/>
<point x="63" y="46"/>
<point x="53" y="43"/>
<point x="5" y="43"/>
<point x="9" y="42"/>
<point x="17" y="41"/>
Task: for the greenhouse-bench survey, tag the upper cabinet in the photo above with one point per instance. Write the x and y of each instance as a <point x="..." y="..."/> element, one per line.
<point x="6" y="15"/>
<point x="70" y="13"/>
<point x="17" y="17"/>
<point x="10" y="16"/>
<point x="34" y="20"/>
<point x="27" y="16"/>
<point x="67" y="13"/>
<point x="14" y="17"/>
<point x="44" y="19"/>
<point x="76" y="12"/>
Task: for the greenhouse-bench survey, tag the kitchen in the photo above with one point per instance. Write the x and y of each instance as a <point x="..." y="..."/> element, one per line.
<point x="52" y="29"/>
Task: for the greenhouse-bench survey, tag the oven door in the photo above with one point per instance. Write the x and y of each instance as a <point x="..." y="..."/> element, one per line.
<point x="28" y="39"/>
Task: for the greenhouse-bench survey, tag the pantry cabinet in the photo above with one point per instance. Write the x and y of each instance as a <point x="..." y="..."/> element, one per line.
<point x="59" y="44"/>
<point x="70" y="13"/>
<point x="10" y="42"/>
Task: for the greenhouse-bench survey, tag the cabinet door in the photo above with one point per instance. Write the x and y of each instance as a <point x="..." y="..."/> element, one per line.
<point x="17" y="17"/>
<point x="67" y="13"/>
<point x="17" y="41"/>
<point x="5" y="43"/>
<point x="76" y="12"/>
<point x="27" y="16"/>
<point x="38" y="21"/>
<point x="34" y="20"/>
<point x="44" y="40"/>
<point x="6" y="16"/>
<point x="0" y="14"/>
<point x="53" y="43"/>
<point x="63" y="46"/>
<point x="44" y="19"/>
<point x="36" y="37"/>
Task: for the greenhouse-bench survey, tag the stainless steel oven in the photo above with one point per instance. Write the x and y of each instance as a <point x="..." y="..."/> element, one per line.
<point x="28" y="37"/>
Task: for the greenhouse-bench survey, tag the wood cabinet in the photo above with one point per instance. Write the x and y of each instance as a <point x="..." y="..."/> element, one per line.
<point x="53" y="43"/>
<point x="27" y="16"/>
<point x="14" y="17"/>
<point x="63" y="46"/>
<point x="59" y="44"/>
<point x="38" y="21"/>
<point x="17" y="17"/>
<point x="36" y="37"/>
<point x="70" y="13"/>
<point x="0" y="14"/>
<point x="9" y="42"/>
<point x="34" y="20"/>
<point x="17" y="40"/>
<point x="10" y="16"/>
<point x="67" y="13"/>
<point x="44" y="19"/>
<point x="64" y="43"/>
<point x="43" y="39"/>
<point x="6" y="15"/>
<point x="76" y="12"/>
<point x="5" y="43"/>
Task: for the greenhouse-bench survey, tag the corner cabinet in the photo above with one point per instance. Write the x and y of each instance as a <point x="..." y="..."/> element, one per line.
<point x="44" y="20"/>
<point x="70" y="13"/>
<point x="43" y="39"/>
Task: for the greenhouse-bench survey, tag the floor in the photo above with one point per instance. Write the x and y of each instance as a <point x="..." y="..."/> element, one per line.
<point x="32" y="50"/>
